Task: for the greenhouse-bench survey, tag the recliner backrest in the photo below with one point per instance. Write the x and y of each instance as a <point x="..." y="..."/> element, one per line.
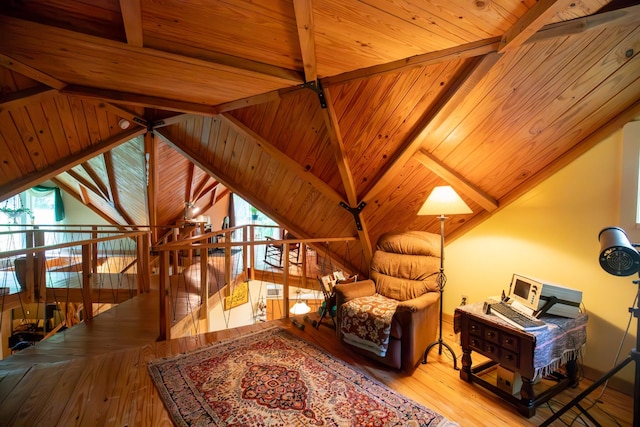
<point x="405" y="265"/>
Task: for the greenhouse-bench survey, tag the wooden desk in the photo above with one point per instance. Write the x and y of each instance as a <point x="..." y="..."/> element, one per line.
<point x="532" y="354"/>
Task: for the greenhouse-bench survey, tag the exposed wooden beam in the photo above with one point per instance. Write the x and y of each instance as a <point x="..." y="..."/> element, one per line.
<point x="590" y="141"/>
<point x="25" y="97"/>
<point x="533" y="20"/>
<point x="468" y="50"/>
<point x="306" y="34"/>
<point x="132" y="18"/>
<point x="113" y="186"/>
<point x="139" y="100"/>
<point x="462" y="85"/>
<point x="283" y="159"/>
<point x="178" y="118"/>
<point x="230" y="185"/>
<point x="189" y="184"/>
<point x="64" y="187"/>
<point x="104" y="191"/>
<point x="263" y="98"/>
<point x="198" y="191"/>
<point x="456" y="180"/>
<point x="579" y="25"/>
<point x="67" y="163"/>
<point x="121" y="112"/>
<point x="86" y="183"/>
<point x="26" y="70"/>
<point x="340" y="155"/>
<point x="232" y="63"/>
<point x="151" y="179"/>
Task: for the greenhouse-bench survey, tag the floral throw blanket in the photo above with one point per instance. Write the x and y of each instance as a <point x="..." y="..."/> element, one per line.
<point x="366" y="323"/>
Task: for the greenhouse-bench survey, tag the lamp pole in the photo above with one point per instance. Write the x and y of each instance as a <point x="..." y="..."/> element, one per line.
<point x="441" y="280"/>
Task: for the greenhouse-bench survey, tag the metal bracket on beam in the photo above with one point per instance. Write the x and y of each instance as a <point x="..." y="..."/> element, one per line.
<point x="355" y="212"/>
<point x="316" y="86"/>
<point x="141" y="122"/>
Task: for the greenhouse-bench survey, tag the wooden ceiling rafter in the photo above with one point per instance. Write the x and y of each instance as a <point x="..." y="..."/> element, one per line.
<point x="629" y="114"/>
<point x="28" y="71"/>
<point x="229" y="183"/>
<point x="168" y="121"/>
<point x="283" y="159"/>
<point x="139" y="100"/>
<point x="456" y="180"/>
<point x="342" y="162"/>
<point x="132" y="18"/>
<point x="273" y="96"/>
<point x="151" y="180"/>
<point x="18" y="186"/>
<point x="460" y="86"/>
<point x="533" y="20"/>
<point x="25" y="97"/>
<point x="188" y="188"/>
<point x="113" y="185"/>
<point x="200" y="190"/>
<point x="79" y="197"/>
<point x="621" y="16"/>
<point x="97" y="186"/>
<point x="306" y="35"/>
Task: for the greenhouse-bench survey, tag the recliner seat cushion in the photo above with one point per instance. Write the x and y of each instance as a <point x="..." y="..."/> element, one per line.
<point x="404" y="277"/>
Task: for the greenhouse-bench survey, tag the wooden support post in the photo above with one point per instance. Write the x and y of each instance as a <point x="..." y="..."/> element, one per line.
<point x="40" y="278"/>
<point x="94" y="261"/>
<point x="87" y="301"/>
<point x="5" y="333"/>
<point x="227" y="262"/>
<point x="285" y="278"/>
<point x="303" y="253"/>
<point x="245" y="233"/>
<point x="204" y="288"/>
<point x="252" y="253"/>
<point x="29" y="271"/>
<point x="162" y="296"/>
<point x="176" y="254"/>
<point x="140" y="267"/>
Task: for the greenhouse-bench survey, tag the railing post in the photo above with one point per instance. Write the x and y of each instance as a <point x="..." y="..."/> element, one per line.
<point x="285" y="278"/>
<point x="204" y="288"/>
<point x="303" y="249"/>
<point x="163" y="284"/>
<point x="176" y="254"/>
<point x="252" y="253"/>
<point x="87" y="301"/>
<point x="244" y="249"/>
<point x="29" y="270"/>
<point x="94" y="247"/>
<point x="40" y="282"/>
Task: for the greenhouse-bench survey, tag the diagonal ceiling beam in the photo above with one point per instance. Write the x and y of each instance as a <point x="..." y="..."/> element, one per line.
<point x="306" y="33"/>
<point x="199" y="189"/>
<point x="113" y="186"/>
<point x="462" y="84"/>
<point x="25" y="97"/>
<point x="132" y="18"/>
<point x="151" y="179"/>
<point x="97" y="180"/>
<point x="178" y="118"/>
<point x="533" y="20"/>
<point x="67" y="163"/>
<point x="335" y="136"/>
<point x="82" y="197"/>
<point x="283" y="159"/>
<point x="87" y="184"/>
<point x="188" y="188"/>
<point x="139" y="100"/>
<point x="263" y="98"/>
<point x="456" y="180"/>
<point x="229" y="183"/>
<point x="26" y="70"/>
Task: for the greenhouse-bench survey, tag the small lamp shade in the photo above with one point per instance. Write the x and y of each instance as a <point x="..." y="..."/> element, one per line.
<point x="300" y="307"/>
<point x="443" y="200"/>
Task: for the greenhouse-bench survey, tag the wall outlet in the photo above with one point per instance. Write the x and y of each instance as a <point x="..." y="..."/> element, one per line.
<point x="463" y="300"/>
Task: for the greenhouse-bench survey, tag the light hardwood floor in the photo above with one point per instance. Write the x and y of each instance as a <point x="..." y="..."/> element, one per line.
<point x="96" y="374"/>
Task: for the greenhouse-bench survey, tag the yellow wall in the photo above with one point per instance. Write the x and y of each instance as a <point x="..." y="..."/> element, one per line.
<point x="551" y="233"/>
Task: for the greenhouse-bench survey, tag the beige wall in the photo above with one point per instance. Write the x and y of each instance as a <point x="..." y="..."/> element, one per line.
<point x="551" y="233"/>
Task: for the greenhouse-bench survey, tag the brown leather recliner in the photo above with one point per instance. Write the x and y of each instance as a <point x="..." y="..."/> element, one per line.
<point x="403" y="271"/>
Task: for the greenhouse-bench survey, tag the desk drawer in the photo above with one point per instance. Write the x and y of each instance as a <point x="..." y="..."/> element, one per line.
<point x="509" y="359"/>
<point x="509" y="342"/>
<point x="491" y="350"/>
<point x="490" y="334"/>
<point x="475" y="328"/>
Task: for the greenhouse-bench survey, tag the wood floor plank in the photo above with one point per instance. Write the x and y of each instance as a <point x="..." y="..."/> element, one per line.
<point x="105" y="381"/>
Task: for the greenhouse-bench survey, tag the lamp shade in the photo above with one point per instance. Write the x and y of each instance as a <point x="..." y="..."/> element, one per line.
<point x="444" y="200"/>
<point x="300" y="307"/>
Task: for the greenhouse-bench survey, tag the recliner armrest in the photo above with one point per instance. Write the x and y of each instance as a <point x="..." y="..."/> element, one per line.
<point x="420" y="303"/>
<point x="348" y="291"/>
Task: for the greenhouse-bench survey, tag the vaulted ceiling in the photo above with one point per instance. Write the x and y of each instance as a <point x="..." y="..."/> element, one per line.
<point x="334" y="117"/>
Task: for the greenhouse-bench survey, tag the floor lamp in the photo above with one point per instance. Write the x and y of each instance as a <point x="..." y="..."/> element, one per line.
<point x="443" y="201"/>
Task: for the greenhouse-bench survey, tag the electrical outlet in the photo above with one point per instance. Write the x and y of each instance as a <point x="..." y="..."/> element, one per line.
<point x="463" y="300"/>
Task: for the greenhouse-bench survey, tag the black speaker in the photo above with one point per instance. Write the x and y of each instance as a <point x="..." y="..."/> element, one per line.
<point x="617" y="254"/>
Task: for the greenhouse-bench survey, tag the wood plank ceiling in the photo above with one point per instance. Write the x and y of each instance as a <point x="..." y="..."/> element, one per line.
<point x="312" y="110"/>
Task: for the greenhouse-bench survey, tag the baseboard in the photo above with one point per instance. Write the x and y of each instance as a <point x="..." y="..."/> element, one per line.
<point x="592" y="374"/>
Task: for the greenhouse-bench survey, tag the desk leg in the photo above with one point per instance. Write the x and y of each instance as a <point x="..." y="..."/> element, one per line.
<point x="465" y="372"/>
<point x="526" y="407"/>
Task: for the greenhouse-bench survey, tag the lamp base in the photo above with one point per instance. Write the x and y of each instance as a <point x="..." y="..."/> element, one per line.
<point x="441" y="344"/>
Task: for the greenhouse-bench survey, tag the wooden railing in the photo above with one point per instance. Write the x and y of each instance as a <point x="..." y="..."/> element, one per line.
<point x="42" y="260"/>
<point x="176" y="255"/>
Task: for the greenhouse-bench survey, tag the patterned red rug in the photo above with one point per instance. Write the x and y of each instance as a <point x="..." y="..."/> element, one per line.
<point x="273" y="378"/>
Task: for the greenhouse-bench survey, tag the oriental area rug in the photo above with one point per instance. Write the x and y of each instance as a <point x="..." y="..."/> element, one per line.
<point x="273" y="378"/>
